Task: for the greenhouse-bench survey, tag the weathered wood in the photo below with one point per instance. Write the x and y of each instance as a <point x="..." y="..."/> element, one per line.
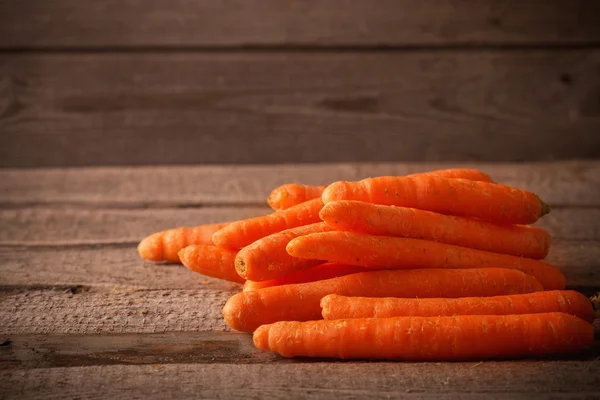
<point x="67" y="226"/>
<point x="89" y="311"/>
<point x="108" y="267"/>
<point x="277" y="107"/>
<point x="567" y="183"/>
<point x="104" y="267"/>
<point x="51" y="351"/>
<point x="68" y="23"/>
<point x="53" y="226"/>
<point x="344" y="380"/>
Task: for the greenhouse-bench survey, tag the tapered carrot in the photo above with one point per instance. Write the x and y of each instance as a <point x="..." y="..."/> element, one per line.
<point x="567" y="301"/>
<point x="164" y="245"/>
<point x="484" y="200"/>
<point x="463" y="337"/>
<point x="286" y="196"/>
<point x="318" y="273"/>
<point x="240" y="234"/>
<point x="246" y="311"/>
<point x="358" y="216"/>
<point x="267" y="258"/>
<point x="212" y="261"/>
<point x="393" y="252"/>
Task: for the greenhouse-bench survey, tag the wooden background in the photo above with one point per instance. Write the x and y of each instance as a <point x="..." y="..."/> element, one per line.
<point x="126" y="82"/>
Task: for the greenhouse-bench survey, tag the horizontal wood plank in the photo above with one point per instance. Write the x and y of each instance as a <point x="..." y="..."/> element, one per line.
<point x="184" y="23"/>
<point x="344" y="380"/>
<point x="566" y="183"/>
<point x="285" y="107"/>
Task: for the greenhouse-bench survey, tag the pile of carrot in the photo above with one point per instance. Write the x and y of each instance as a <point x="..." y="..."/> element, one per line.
<point x="441" y="265"/>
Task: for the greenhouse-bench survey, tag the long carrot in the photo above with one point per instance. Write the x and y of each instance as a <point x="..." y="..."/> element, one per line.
<point x="392" y="252"/>
<point x="246" y="311"/>
<point x="267" y="258"/>
<point x="484" y="200"/>
<point x="164" y="245"/>
<point x="211" y="261"/>
<point x="240" y="234"/>
<point x="567" y="301"/>
<point x="318" y="273"/>
<point x="462" y="337"/>
<point x="358" y="216"/>
<point x="286" y="196"/>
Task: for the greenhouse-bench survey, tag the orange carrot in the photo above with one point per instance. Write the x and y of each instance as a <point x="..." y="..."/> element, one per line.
<point x="318" y="273"/>
<point x="392" y="252"/>
<point x="484" y="200"/>
<point x="463" y="337"/>
<point x="289" y="195"/>
<point x="267" y="258"/>
<point x="240" y="234"/>
<point x="211" y="261"/>
<point x="246" y="311"/>
<point x="358" y="216"/>
<point x="567" y="301"/>
<point x="164" y="245"/>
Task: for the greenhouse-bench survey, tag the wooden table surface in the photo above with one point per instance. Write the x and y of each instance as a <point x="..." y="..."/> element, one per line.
<point x="81" y="316"/>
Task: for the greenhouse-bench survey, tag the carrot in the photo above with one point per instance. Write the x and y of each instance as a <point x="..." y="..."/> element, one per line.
<point x="462" y="337"/>
<point x="392" y="252"/>
<point x="567" y="301"/>
<point x="286" y="196"/>
<point x="358" y="216"/>
<point x="240" y="234"/>
<point x="164" y="245"/>
<point x="318" y="273"/>
<point x="246" y="311"/>
<point x="267" y="258"/>
<point x="484" y="200"/>
<point x="211" y="261"/>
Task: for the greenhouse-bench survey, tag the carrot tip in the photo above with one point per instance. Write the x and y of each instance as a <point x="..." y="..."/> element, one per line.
<point x="545" y="208"/>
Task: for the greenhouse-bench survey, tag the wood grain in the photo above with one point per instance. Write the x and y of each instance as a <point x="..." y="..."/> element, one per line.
<point x="184" y="23"/>
<point x="566" y="183"/>
<point x="154" y="108"/>
<point x="348" y="380"/>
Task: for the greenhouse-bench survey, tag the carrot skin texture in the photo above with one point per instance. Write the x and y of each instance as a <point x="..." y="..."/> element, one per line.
<point x="463" y="337"/>
<point x="373" y="219"/>
<point x="393" y="252"/>
<point x="246" y="311"/>
<point x="570" y="302"/>
<point x="240" y="234"/>
<point x="458" y="173"/>
<point x="267" y="258"/>
<point x="212" y="261"/>
<point x="461" y="197"/>
<point x="291" y="194"/>
<point x="164" y="245"/>
<point x="318" y="273"/>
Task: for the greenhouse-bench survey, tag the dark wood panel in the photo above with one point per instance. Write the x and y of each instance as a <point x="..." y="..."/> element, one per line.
<point x="182" y="108"/>
<point x="68" y="23"/>
<point x="565" y="379"/>
<point x="561" y="184"/>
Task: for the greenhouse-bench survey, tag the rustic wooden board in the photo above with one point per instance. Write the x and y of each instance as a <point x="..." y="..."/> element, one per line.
<point x="283" y="107"/>
<point x="344" y="380"/>
<point x="73" y="226"/>
<point x="567" y="183"/>
<point x="184" y="23"/>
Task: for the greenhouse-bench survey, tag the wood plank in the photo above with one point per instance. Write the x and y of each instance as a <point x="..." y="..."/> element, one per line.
<point x="565" y="183"/>
<point x="51" y="351"/>
<point x="284" y="107"/>
<point x="109" y="268"/>
<point x="345" y="380"/>
<point x="68" y="23"/>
